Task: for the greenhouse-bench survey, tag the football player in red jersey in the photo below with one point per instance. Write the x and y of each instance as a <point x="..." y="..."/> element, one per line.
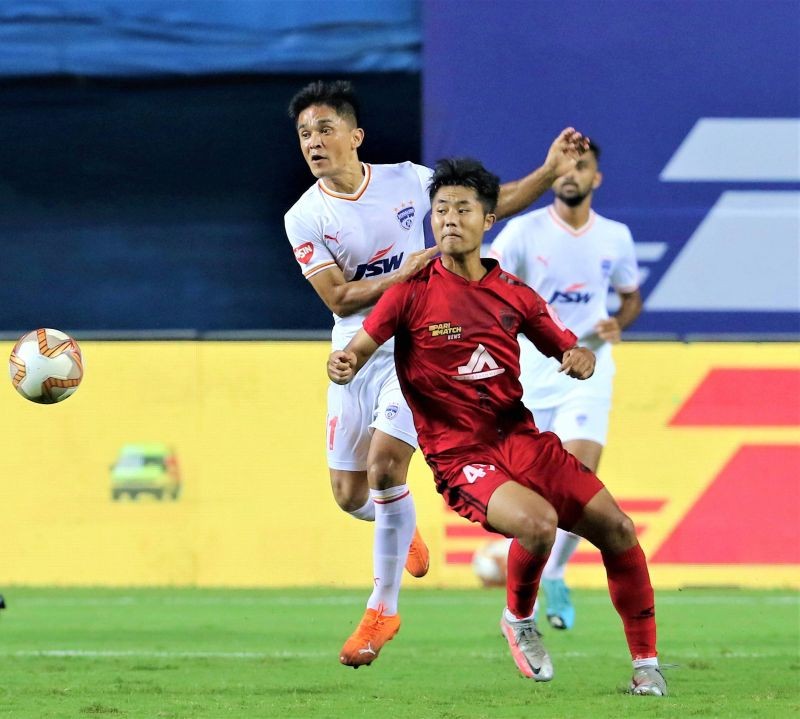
<point x="455" y="325"/>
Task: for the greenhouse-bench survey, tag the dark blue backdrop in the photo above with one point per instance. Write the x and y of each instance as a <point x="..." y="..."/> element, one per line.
<point x="502" y="78"/>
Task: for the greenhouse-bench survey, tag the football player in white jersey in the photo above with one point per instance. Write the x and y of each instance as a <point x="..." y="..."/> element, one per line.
<point x="357" y="231"/>
<point x="571" y="256"/>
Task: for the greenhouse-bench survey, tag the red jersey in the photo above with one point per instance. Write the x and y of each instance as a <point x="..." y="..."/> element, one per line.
<point x="456" y="351"/>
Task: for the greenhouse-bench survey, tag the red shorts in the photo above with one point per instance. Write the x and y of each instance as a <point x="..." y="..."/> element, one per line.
<point x="467" y="477"/>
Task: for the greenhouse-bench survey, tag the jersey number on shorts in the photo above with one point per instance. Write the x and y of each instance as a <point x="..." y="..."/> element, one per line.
<point x="332" y="422"/>
<point x="474" y="471"/>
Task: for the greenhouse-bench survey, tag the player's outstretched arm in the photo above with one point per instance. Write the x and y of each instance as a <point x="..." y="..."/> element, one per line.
<point x="346" y="298"/>
<point x="561" y="158"/>
<point x="343" y="364"/>
<point x="578" y="362"/>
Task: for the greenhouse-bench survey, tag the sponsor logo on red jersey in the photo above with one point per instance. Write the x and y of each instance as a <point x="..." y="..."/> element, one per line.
<point x="480" y="366"/>
<point x="303" y="253"/>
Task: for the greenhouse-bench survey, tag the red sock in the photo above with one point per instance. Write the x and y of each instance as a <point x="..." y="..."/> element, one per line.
<point x="524" y="572"/>
<point x="632" y="596"/>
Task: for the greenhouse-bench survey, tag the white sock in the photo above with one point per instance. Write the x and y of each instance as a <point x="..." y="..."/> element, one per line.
<point x="395" y="520"/>
<point x="367" y="512"/>
<point x="563" y="548"/>
<point x="648" y="662"/>
<point x="509" y="617"/>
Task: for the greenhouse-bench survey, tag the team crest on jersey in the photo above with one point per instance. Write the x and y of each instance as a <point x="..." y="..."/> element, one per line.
<point x="391" y="411"/>
<point x="605" y="266"/>
<point x="508" y="320"/>
<point x="405" y="215"/>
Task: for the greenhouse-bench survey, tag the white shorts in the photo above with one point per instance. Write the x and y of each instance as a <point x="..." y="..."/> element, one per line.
<point x="373" y="400"/>
<point x="577" y="417"/>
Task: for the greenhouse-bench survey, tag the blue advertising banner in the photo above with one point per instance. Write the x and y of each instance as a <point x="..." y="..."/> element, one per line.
<point x="695" y="106"/>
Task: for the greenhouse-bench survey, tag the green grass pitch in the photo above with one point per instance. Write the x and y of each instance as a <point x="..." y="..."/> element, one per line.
<point x="189" y="653"/>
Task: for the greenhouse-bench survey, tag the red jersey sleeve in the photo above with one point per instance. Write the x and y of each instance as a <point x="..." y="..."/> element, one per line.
<point x="543" y="327"/>
<point x="387" y="315"/>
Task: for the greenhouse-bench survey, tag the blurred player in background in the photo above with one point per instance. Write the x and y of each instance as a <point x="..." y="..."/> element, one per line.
<point x="356" y="232"/>
<point x="455" y="325"/>
<point x="571" y="255"/>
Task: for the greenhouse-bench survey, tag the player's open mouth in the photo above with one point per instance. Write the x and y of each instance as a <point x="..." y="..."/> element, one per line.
<point x="317" y="158"/>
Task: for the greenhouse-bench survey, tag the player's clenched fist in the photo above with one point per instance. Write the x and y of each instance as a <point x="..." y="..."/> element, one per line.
<point x="578" y="362"/>
<point x="341" y="366"/>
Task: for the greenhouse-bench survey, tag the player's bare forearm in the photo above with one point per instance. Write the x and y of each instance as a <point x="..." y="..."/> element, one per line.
<point x="578" y="362"/>
<point x="346" y="298"/>
<point x="610" y="330"/>
<point x="561" y="158"/>
<point x="351" y="297"/>
<point x="520" y="194"/>
<point x="630" y="308"/>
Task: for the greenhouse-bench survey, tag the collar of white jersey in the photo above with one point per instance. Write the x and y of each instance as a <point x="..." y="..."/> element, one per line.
<point x="582" y="230"/>
<point x="357" y="194"/>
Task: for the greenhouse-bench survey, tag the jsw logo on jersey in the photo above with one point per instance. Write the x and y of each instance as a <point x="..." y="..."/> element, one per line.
<point x="379" y="264"/>
<point x="571" y="294"/>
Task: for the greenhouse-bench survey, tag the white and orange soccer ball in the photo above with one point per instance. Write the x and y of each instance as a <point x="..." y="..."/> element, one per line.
<point x="46" y="366"/>
<point x="490" y="562"/>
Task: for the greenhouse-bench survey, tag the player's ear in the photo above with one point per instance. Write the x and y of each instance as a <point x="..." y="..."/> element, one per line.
<point x="598" y="180"/>
<point x="356" y="138"/>
<point x="489" y="220"/>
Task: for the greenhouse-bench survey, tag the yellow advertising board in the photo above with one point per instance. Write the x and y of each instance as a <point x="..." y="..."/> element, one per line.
<point x="203" y="463"/>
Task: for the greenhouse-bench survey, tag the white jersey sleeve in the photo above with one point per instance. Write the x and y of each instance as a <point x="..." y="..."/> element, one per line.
<point x="424" y="174"/>
<point x="508" y="249"/>
<point x="625" y="276"/>
<point x="308" y="244"/>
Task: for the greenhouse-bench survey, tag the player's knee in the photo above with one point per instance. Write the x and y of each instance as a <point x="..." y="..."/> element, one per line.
<point x="348" y="495"/>
<point x="537" y="532"/>
<point x="622" y="532"/>
<point x="384" y="471"/>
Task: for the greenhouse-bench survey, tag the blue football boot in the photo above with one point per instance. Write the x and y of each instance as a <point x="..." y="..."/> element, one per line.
<point x="560" y="612"/>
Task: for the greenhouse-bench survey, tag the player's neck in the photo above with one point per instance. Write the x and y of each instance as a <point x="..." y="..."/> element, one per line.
<point x="575" y="217"/>
<point x="468" y="266"/>
<point x="347" y="180"/>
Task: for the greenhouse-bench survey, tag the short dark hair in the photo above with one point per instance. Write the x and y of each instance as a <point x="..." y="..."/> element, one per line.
<point x="594" y="148"/>
<point x="338" y="94"/>
<point x="466" y="172"/>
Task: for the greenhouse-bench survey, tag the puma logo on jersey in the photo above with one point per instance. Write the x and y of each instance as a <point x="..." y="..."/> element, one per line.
<point x="480" y="366"/>
<point x="333" y="238"/>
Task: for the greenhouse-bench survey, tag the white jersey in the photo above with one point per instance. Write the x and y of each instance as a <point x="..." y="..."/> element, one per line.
<point x="366" y="234"/>
<point x="572" y="270"/>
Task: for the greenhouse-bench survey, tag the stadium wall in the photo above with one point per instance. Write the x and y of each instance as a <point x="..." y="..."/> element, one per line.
<point x="704" y="453"/>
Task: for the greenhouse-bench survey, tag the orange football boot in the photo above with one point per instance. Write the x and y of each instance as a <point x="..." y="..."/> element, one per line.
<point x="366" y="641"/>
<point x="419" y="558"/>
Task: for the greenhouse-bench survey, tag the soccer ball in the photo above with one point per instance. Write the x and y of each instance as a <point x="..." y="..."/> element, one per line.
<point x="46" y="366"/>
<point x="490" y="561"/>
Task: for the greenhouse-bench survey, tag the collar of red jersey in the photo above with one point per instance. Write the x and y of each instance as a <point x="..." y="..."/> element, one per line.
<point x="492" y="270"/>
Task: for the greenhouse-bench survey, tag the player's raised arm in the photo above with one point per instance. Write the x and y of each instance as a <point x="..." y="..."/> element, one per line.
<point x="561" y="158"/>
<point x="346" y="298"/>
<point x="343" y="364"/>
